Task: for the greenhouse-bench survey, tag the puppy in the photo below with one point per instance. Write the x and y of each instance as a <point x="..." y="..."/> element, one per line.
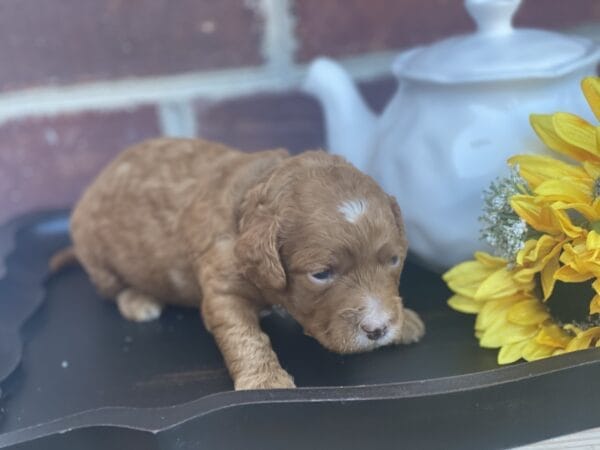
<point x="194" y="223"/>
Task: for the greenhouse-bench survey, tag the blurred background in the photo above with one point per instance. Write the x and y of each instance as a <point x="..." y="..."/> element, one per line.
<point x="82" y="79"/>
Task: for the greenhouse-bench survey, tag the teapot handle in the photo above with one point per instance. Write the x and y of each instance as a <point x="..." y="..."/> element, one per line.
<point x="493" y="17"/>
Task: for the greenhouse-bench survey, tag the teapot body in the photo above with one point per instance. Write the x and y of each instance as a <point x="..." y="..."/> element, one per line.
<point x="438" y="146"/>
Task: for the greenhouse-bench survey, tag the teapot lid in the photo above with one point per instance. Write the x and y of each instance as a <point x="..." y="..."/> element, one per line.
<point x="496" y="51"/>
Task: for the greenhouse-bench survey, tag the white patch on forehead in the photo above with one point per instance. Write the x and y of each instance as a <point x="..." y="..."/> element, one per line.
<point x="353" y="209"/>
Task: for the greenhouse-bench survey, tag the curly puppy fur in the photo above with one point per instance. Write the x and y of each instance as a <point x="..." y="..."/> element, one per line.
<point x="195" y="223"/>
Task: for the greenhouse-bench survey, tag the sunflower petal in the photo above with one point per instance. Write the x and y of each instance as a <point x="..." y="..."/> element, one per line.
<point x="539" y="168"/>
<point x="525" y="253"/>
<point x="534" y="351"/>
<point x="553" y="336"/>
<point x="534" y="213"/>
<point x="527" y="312"/>
<point x="502" y="333"/>
<point x="584" y="262"/>
<point x="464" y="304"/>
<point x="584" y="339"/>
<point x="466" y="277"/>
<point x="569" y="190"/>
<point x="493" y="262"/>
<point x="596" y="285"/>
<point x="592" y="169"/>
<point x="536" y="250"/>
<point x="548" y="276"/>
<point x="591" y="89"/>
<point x="590" y="212"/>
<point x="564" y="222"/>
<point x="592" y="241"/>
<point x="509" y="353"/>
<point x="544" y="127"/>
<point x="595" y="305"/>
<point x="500" y="284"/>
<point x="525" y="277"/>
<point x="569" y="275"/>
<point x="494" y="311"/>
<point x="576" y="131"/>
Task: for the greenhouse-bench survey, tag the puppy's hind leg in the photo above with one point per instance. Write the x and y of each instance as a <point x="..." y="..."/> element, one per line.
<point x="107" y="284"/>
<point x="133" y="305"/>
<point x="138" y="307"/>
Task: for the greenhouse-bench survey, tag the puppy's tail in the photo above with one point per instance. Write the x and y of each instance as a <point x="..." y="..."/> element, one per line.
<point x="63" y="258"/>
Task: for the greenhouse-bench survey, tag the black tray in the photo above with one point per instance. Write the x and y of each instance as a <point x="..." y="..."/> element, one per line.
<point x="89" y="379"/>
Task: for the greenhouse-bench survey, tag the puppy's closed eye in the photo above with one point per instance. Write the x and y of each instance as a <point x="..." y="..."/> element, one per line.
<point x="322" y="277"/>
<point x="388" y="255"/>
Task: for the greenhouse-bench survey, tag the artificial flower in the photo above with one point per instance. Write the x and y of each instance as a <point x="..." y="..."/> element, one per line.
<point x="569" y="134"/>
<point x="539" y="294"/>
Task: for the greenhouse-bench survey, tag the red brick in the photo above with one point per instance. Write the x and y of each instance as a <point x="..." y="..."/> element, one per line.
<point x="557" y="14"/>
<point x="259" y="122"/>
<point x="349" y="27"/>
<point x="46" y="162"/>
<point x="290" y="120"/>
<point x="66" y="41"/>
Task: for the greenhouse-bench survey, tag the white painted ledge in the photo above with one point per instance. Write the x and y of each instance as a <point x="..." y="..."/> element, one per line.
<point x="584" y="440"/>
<point x="132" y="92"/>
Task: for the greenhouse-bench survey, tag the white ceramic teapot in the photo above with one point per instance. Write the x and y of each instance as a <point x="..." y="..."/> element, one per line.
<point x="461" y="109"/>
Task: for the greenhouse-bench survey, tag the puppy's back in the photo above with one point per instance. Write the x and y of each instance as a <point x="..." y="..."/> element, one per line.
<point x="148" y="181"/>
<point x="127" y="220"/>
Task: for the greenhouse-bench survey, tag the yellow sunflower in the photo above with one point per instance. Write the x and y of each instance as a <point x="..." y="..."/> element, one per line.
<point x="543" y="222"/>
<point x="569" y="134"/>
<point x="509" y="315"/>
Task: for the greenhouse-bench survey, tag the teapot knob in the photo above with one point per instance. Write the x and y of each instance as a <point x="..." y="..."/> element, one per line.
<point x="493" y="16"/>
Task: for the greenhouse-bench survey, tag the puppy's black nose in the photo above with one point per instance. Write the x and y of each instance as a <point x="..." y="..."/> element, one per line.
<point x="375" y="333"/>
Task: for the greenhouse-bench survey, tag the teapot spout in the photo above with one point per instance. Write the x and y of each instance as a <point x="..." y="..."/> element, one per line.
<point x="349" y="122"/>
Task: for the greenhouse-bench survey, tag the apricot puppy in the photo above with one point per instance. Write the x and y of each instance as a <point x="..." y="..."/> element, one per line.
<point x="194" y="223"/>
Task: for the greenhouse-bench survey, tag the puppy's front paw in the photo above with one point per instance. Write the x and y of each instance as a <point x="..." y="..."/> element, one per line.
<point x="413" y="327"/>
<point x="275" y="379"/>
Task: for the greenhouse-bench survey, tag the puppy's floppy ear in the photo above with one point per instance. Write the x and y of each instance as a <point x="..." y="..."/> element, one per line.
<point x="396" y="211"/>
<point x="397" y="215"/>
<point x="257" y="249"/>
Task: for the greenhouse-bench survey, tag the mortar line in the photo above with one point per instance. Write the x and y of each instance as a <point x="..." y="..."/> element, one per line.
<point x="177" y="119"/>
<point x="279" y="43"/>
<point x="133" y="92"/>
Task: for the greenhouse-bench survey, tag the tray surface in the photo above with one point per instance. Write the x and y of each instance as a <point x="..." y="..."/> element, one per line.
<point x="86" y="370"/>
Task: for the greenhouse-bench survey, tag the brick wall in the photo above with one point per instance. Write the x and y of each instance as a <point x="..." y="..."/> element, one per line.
<point x="81" y="79"/>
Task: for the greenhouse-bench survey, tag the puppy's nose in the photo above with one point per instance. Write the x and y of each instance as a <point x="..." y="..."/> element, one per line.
<point x="374" y="333"/>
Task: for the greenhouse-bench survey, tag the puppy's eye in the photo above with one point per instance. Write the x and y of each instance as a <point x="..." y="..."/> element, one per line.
<point x="322" y="277"/>
<point x="394" y="261"/>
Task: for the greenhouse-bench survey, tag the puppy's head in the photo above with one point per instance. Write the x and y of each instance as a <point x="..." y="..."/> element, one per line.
<point x="328" y="244"/>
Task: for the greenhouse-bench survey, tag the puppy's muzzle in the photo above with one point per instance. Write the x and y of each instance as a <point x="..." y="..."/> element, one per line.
<point x="375" y="333"/>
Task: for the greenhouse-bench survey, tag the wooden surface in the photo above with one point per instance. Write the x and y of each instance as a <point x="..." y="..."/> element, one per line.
<point x="89" y="379"/>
